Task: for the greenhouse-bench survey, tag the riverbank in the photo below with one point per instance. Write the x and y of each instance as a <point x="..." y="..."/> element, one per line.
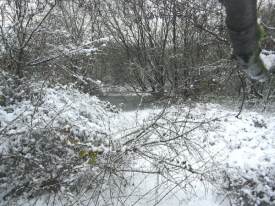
<point x="187" y="153"/>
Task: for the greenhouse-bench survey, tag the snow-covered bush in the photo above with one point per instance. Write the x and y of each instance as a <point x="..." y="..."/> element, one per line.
<point x="55" y="141"/>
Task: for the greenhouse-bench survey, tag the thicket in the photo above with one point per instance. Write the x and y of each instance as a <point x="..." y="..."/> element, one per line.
<point x="161" y="47"/>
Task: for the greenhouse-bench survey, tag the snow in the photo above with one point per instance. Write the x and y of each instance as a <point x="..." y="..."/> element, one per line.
<point x="60" y="108"/>
<point x="242" y="148"/>
<point x="268" y="58"/>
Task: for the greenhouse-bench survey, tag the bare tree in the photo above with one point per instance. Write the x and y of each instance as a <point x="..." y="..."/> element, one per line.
<point x="20" y="22"/>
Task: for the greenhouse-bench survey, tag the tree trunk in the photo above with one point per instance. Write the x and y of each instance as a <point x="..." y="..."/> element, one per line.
<point x="242" y="24"/>
<point x="175" y="70"/>
<point x="19" y="64"/>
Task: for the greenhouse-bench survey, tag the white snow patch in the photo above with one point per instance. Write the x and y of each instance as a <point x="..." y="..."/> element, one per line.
<point x="268" y="58"/>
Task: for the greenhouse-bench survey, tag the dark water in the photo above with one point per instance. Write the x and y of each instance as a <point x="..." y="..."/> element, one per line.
<point x="129" y="103"/>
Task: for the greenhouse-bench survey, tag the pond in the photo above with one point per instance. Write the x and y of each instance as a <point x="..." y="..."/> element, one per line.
<point x="129" y="103"/>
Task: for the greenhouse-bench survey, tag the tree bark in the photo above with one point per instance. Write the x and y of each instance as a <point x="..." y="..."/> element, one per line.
<point x="242" y="25"/>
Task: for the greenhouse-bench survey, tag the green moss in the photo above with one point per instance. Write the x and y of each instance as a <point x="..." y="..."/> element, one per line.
<point x="260" y="33"/>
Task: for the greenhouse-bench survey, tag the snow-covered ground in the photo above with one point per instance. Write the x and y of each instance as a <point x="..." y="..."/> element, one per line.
<point x="228" y="157"/>
<point x="242" y="147"/>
